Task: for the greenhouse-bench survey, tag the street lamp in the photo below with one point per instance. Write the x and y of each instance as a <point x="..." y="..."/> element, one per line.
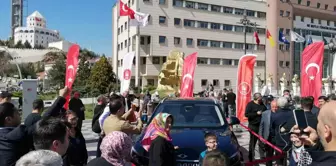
<point x="246" y="23"/>
<point x="14" y="58"/>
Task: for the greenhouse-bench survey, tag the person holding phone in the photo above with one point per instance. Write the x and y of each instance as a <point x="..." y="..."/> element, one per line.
<point x="253" y="112"/>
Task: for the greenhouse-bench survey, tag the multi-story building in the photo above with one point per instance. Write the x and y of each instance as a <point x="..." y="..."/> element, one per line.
<point x="36" y="32"/>
<point x="210" y="28"/>
<point x="309" y="18"/>
<point x="16" y="15"/>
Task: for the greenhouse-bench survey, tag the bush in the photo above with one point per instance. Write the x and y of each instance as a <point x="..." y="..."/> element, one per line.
<point x="149" y="88"/>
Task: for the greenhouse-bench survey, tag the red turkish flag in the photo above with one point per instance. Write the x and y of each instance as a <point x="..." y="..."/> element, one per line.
<point x="312" y="70"/>
<point x="124" y="10"/>
<point x="256" y="37"/>
<point x="244" y="84"/>
<point x="71" y="69"/>
<point x="187" y="81"/>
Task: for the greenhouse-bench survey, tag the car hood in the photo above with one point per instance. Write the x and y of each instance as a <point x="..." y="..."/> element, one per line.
<point x="190" y="143"/>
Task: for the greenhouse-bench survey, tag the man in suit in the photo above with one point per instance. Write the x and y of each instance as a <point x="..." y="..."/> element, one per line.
<point x="264" y="131"/>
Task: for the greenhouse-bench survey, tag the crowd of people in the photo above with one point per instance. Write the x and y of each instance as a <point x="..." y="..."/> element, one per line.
<point x="274" y="120"/>
<point x="54" y="138"/>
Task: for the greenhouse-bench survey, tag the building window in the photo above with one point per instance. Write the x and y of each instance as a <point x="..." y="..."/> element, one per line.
<point x="118" y="31"/>
<point x="214" y="61"/>
<point x="122" y="45"/>
<point x="249" y="29"/>
<point x="239" y="46"/>
<point x="202" y="61"/>
<point x="287" y="31"/>
<point x="204" y="82"/>
<point x="178" y="3"/>
<point x="162" y="19"/>
<point x="318" y="5"/>
<point x="261" y="31"/>
<point x="189" y="23"/>
<point x="328" y="22"/>
<point x="281" y="13"/>
<point x="143" y="60"/>
<point x="125" y="43"/>
<point x="334" y="8"/>
<point x="281" y="47"/>
<point x="122" y="29"/>
<point x="227" y="83"/>
<point x="227" y="27"/>
<point x="287" y="14"/>
<point x="189" y="4"/>
<point x="150" y="82"/>
<point x="125" y="25"/>
<point x="261" y="47"/>
<point x="326" y="7"/>
<point x="281" y="63"/>
<point x="227" y="45"/>
<point x="215" y="8"/>
<point x="228" y="10"/>
<point x="287" y="63"/>
<point x="239" y="28"/>
<point x="215" y="26"/>
<point x="203" y="6"/>
<point x="287" y="47"/>
<point x="215" y="43"/>
<point x="203" y="43"/>
<point x="320" y="21"/>
<point x="177" y="21"/>
<point x="177" y="40"/>
<point x="164" y="59"/>
<point x="299" y="2"/>
<point x="215" y="82"/>
<point x="227" y="61"/>
<point x="239" y="11"/>
<point x="202" y="24"/>
<point x="250" y="13"/>
<point x="261" y="15"/>
<point x="302" y="19"/>
<point x="156" y="60"/>
<point x="142" y="40"/>
<point x="249" y="46"/>
<point x="261" y="63"/>
<point x="162" y="39"/>
<point x="312" y="20"/>
<point x="189" y="41"/>
<point x="308" y="3"/>
<point x="162" y="2"/>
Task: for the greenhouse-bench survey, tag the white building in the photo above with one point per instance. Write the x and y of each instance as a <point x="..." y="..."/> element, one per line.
<point x="36" y="32"/>
<point x="62" y="45"/>
<point x="208" y="27"/>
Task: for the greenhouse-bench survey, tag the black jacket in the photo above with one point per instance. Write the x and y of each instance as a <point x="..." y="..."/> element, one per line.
<point x="76" y="154"/>
<point x="99" y="161"/>
<point x="14" y="141"/>
<point x="161" y="153"/>
<point x="322" y="158"/>
<point x="251" y="113"/>
<point x="280" y="118"/>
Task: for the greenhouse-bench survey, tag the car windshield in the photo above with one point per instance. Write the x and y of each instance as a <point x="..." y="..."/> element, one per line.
<point x="193" y="115"/>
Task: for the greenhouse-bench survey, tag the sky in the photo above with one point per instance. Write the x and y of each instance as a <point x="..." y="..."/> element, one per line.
<point x="85" y="22"/>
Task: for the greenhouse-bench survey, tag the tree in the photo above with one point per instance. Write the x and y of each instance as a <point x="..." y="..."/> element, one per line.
<point x="38" y="47"/>
<point x="19" y="44"/>
<point x="83" y="74"/>
<point x="5" y="59"/>
<point x="51" y="57"/>
<point x="56" y="74"/>
<point x="27" y="44"/>
<point x="28" y="69"/>
<point x="102" y="76"/>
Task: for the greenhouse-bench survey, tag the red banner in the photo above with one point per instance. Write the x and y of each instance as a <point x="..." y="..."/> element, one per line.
<point x="187" y="81"/>
<point x="312" y="70"/>
<point x="244" y="84"/>
<point x="71" y="70"/>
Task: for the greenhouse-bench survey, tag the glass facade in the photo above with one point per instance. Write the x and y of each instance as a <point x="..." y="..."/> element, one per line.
<point x="298" y="48"/>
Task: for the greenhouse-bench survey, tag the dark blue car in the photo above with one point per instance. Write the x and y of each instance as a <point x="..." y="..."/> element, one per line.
<point x="193" y="118"/>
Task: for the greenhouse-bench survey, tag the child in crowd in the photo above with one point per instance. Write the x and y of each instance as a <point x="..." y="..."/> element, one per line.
<point x="211" y="144"/>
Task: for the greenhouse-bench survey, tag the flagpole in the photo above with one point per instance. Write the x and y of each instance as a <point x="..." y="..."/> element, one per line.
<point x="265" y="57"/>
<point x="137" y="54"/>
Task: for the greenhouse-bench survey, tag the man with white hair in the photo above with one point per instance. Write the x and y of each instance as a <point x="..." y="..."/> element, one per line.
<point x="280" y="118"/>
<point x="40" y="158"/>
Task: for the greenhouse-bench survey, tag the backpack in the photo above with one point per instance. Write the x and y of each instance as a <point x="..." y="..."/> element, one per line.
<point x="95" y="122"/>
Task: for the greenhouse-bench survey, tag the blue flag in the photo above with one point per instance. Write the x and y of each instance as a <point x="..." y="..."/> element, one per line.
<point x="310" y="40"/>
<point x="282" y="38"/>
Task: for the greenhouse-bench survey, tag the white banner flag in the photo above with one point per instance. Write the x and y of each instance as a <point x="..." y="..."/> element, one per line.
<point x="333" y="72"/>
<point x="295" y="37"/>
<point x="126" y="73"/>
<point x="140" y="19"/>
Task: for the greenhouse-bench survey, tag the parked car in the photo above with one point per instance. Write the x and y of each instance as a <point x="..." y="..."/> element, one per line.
<point x="193" y="118"/>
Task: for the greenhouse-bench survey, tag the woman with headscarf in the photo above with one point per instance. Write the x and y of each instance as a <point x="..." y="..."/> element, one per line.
<point x="116" y="150"/>
<point x="157" y="141"/>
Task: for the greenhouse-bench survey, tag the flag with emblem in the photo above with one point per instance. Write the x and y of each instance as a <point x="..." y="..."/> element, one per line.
<point x="187" y="80"/>
<point x="124" y="10"/>
<point x="312" y="70"/>
<point x="71" y="69"/>
<point x="244" y="84"/>
<point x="140" y="19"/>
<point x="295" y="37"/>
<point x="126" y="72"/>
<point x="282" y="38"/>
<point x="270" y="38"/>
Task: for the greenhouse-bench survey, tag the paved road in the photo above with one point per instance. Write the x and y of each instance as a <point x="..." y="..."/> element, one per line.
<point x="92" y="139"/>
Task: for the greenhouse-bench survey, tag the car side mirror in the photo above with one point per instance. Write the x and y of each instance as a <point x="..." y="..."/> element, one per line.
<point x="234" y="121"/>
